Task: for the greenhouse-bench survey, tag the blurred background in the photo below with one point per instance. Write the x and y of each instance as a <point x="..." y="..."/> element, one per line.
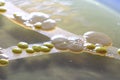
<point x="77" y="16"/>
<point x="114" y="4"/>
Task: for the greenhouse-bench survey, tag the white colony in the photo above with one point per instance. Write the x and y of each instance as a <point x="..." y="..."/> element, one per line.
<point x="20" y="18"/>
<point x="48" y="24"/>
<point x="34" y="19"/>
<point x="37" y="17"/>
<point x="60" y="42"/>
<point x="76" y="44"/>
<point x="97" y="38"/>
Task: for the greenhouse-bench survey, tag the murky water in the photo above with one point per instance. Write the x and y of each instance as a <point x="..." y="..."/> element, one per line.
<point x="77" y="16"/>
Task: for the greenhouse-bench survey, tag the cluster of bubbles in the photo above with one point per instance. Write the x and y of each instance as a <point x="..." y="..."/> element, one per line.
<point x="72" y="43"/>
<point x="91" y="41"/>
<point x="36" y="20"/>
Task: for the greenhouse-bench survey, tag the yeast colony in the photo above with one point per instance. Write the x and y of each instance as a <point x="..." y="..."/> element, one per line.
<point x="36" y="20"/>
